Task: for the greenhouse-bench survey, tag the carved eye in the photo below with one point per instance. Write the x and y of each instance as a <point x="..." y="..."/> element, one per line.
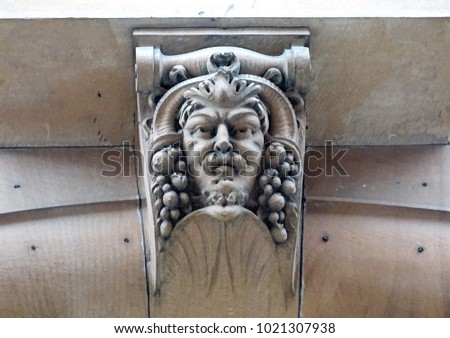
<point x="243" y="133"/>
<point x="203" y="132"/>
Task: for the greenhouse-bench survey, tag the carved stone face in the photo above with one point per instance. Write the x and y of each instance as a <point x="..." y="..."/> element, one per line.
<point x="224" y="148"/>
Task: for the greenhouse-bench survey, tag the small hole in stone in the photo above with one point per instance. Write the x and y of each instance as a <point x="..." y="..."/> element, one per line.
<point x="126" y="240"/>
<point x="325" y="238"/>
<point x="33" y="247"/>
<point x="16" y="186"/>
<point x="420" y="249"/>
<point x="424" y="184"/>
<point x="99" y="94"/>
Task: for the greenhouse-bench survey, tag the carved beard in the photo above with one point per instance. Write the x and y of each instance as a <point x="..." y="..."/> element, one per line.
<point x="224" y="166"/>
<point x="216" y="197"/>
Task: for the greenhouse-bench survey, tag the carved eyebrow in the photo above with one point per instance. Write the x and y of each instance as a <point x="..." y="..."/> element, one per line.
<point x="199" y="116"/>
<point x="249" y="116"/>
<point x="196" y="113"/>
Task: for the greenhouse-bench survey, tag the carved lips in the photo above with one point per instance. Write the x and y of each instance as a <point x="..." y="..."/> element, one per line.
<point x="224" y="165"/>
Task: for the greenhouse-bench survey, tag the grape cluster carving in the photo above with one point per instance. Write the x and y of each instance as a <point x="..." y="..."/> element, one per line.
<point x="277" y="187"/>
<point x="172" y="202"/>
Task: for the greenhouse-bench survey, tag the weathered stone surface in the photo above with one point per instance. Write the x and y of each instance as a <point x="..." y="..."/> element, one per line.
<point x="375" y="81"/>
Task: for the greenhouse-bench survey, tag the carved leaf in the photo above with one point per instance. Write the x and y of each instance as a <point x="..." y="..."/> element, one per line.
<point x="274" y="75"/>
<point x="226" y="61"/>
<point x="221" y="269"/>
<point x="178" y="74"/>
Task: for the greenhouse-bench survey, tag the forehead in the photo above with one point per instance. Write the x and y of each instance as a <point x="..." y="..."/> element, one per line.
<point x="224" y="113"/>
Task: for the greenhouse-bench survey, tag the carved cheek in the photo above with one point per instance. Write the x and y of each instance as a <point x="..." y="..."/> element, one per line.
<point x="188" y="141"/>
<point x="253" y="145"/>
<point x="258" y="140"/>
<point x="201" y="146"/>
<point x="195" y="148"/>
<point x="188" y="146"/>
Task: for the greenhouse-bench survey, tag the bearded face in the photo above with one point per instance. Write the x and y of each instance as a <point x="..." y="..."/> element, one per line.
<point x="224" y="148"/>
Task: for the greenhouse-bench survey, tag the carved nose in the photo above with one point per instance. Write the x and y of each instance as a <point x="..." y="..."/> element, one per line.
<point x="223" y="143"/>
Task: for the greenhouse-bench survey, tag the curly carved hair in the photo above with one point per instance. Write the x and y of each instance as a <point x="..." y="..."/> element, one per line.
<point x="224" y="90"/>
